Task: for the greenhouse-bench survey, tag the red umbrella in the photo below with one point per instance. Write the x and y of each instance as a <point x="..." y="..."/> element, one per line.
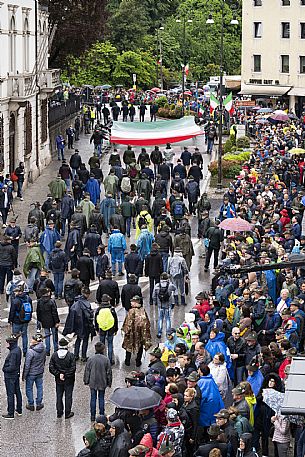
<point x="155" y="89"/>
<point x="236" y="224"/>
<point x="188" y="92"/>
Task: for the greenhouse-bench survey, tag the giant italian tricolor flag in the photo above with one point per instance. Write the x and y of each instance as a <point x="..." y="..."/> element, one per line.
<point x="154" y="133"/>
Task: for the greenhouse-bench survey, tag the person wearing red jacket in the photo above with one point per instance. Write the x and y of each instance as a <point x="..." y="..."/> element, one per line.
<point x="147" y="441"/>
<point x="202" y="305"/>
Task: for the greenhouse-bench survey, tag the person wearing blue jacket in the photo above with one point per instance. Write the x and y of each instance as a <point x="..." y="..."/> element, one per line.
<point x="211" y="401"/>
<point x="255" y="377"/>
<point x="11" y="370"/>
<point x="144" y="242"/>
<point x="216" y="344"/>
<point x="93" y="188"/>
<point x="116" y="248"/>
<point x="48" y="239"/>
<point x="33" y="372"/>
<point x="107" y="209"/>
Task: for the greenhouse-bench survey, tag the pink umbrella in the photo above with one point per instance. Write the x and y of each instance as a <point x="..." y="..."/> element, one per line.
<point x="280" y="116"/>
<point x="155" y="89"/>
<point x="188" y="92"/>
<point x="236" y="224"/>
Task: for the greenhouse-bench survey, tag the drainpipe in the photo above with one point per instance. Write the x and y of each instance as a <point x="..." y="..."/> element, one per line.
<point x="37" y="85"/>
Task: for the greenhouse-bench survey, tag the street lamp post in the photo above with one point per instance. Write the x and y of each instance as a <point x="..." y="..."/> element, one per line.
<point x="184" y="21"/>
<point x="159" y="61"/>
<point x="234" y="21"/>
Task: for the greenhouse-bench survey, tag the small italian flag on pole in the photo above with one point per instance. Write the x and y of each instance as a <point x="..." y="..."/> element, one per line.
<point x="214" y="103"/>
<point x="228" y="103"/>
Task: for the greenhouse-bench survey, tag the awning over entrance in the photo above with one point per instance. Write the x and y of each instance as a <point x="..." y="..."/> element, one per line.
<point x="297" y="91"/>
<point x="262" y="89"/>
<point x="154" y="133"/>
<point x="294" y="401"/>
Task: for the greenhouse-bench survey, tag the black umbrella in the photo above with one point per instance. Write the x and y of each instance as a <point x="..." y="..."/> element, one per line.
<point x="296" y="257"/>
<point x="135" y="398"/>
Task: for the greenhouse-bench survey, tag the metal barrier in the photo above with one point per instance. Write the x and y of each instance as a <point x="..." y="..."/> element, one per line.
<point x="62" y="111"/>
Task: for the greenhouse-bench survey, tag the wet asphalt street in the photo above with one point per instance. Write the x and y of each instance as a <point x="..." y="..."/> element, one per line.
<point x="41" y="433"/>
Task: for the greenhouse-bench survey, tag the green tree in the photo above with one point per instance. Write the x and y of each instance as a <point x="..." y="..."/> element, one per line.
<point x="140" y="63"/>
<point x="94" y="67"/>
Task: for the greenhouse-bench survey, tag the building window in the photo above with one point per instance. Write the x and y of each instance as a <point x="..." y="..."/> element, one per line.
<point x="303" y="30"/>
<point x="26" y="45"/>
<point x="285" y="2"/>
<point x="27" y="130"/>
<point x="44" y="120"/>
<point x="302" y="64"/>
<point x="1" y="143"/>
<point x="257" y="63"/>
<point x="258" y="2"/>
<point x="302" y="2"/>
<point x="285" y="64"/>
<point x="12" y="45"/>
<point x="285" y="29"/>
<point x="257" y="29"/>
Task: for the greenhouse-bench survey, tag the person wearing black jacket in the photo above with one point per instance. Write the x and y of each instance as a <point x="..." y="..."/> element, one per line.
<point x="14" y="318"/>
<point x="83" y="173"/>
<point x="63" y="367"/>
<point x="164" y="171"/>
<point x="66" y="211"/>
<point x="11" y="370"/>
<point x="153" y="268"/>
<point x="47" y="316"/>
<point x="109" y="287"/>
<point x="196" y="172"/>
<point x="80" y="321"/>
<point x="72" y="287"/>
<point x="204" y="450"/>
<point x="92" y="241"/>
<point x="110" y="333"/>
<point x="133" y="263"/>
<point x="129" y="290"/>
<point x="156" y="158"/>
<point x="42" y="282"/>
<point x="227" y="427"/>
<point x="86" y="268"/>
<point x="8" y="261"/>
<point x="6" y="199"/>
<point x="215" y="236"/>
<point x="237" y="347"/>
<point x="58" y="263"/>
<point x="74" y="244"/>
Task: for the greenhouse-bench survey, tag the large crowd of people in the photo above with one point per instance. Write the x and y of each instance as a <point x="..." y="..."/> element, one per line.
<point x="214" y="371"/>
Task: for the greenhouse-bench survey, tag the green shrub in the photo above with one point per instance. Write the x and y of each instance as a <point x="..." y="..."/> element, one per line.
<point x="243" y="142"/>
<point x="233" y="139"/>
<point x="230" y="169"/>
<point x="228" y="146"/>
<point x="161" y="102"/>
<point x="163" y="112"/>
<point x="226" y="132"/>
<point x="239" y="157"/>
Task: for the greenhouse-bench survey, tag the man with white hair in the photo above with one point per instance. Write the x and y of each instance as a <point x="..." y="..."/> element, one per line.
<point x="237" y="347"/>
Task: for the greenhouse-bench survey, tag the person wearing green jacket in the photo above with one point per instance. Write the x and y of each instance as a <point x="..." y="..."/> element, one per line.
<point x="33" y="264"/>
<point x="57" y="188"/>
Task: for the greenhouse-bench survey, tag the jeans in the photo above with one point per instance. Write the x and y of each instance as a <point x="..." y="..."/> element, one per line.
<point x="48" y="332"/>
<point x="179" y="283"/>
<point x="61" y="389"/>
<point x="117" y="256"/>
<point x="63" y="223"/>
<point x="109" y="336"/>
<point x="58" y="283"/>
<point x="12" y="386"/>
<point x="239" y="375"/>
<point x="164" y="313"/>
<point x="164" y="256"/>
<point x="19" y="188"/>
<point x="29" y="384"/>
<point x="127" y="221"/>
<point x="33" y="274"/>
<point x="4" y="214"/>
<point x="46" y="259"/>
<point x="152" y="282"/>
<point x="67" y="181"/>
<point x="23" y="329"/>
<point x="74" y="173"/>
<point x="101" y="402"/>
<point x="5" y="272"/>
<point x="85" y="342"/>
<point x="210" y="145"/>
<point x="60" y="153"/>
<point x="209" y="255"/>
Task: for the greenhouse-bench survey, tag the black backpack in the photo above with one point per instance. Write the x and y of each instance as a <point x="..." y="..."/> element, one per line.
<point x="164" y="294"/>
<point x="41" y="284"/>
<point x="142" y="220"/>
<point x="56" y="260"/>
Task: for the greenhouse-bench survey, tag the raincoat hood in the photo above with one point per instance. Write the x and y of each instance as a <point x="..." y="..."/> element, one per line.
<point x="91" y="438"/>
<point x="62" y="353"/>
<point x="147" y="441"/>
<point x="118" y="424"/>
<point x="219" y="337"/>
<point x="39" y="347"/>
<point x="247" y="439"/>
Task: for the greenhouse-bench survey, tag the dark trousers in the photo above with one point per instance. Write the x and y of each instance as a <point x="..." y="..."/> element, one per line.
<point x="5" y="272"/>
<point x="70" y="142"/>
<point x="209" y="255"/>
<point x="142" y="117"/>
<point x="61" y="389"/>
<point x="153" y="280"/>
<point x="4" y="214"/>
<point x="85" y="342"/>
<point x="12" y="386"/>
<point x="138" y="356"/>
<point x="192" y="206"/>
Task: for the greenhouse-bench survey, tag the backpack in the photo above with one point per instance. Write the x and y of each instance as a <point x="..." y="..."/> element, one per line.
<point x="178" y="209"/>
<point x="164" y="294"/>
<point x="142" y="220"/>
<point x="125" y="185"/>
<point x="158" y="186"/>
<point x="105" y="319"/>
<point x="26" y="309"/>
<point x="56" y="260"/>
<point x="133" y="172"/>
<point x="40" y="285"/>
